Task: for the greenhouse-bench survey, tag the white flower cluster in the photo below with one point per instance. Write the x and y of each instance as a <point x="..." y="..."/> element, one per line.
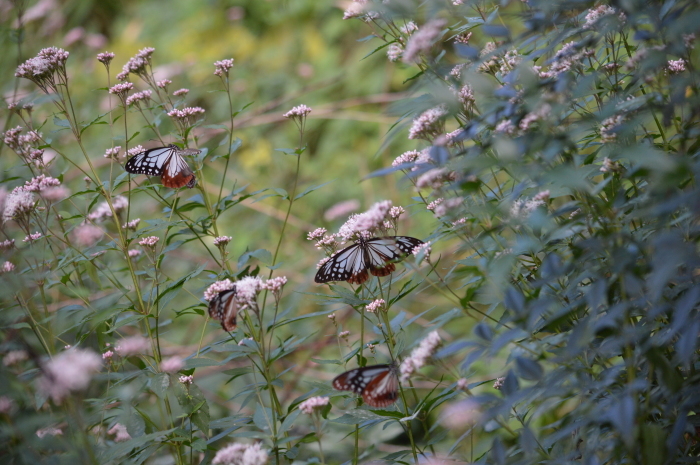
<point x="420" y="355"/>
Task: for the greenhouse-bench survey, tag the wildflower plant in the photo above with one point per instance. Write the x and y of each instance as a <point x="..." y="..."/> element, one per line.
<point x="543" y="154"/>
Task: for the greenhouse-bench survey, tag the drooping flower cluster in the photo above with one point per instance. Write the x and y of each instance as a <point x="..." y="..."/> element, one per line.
<point x="420" y="355"/>
<point x="68" y="372"/>
<point x="313" y="404"/>
<point x="241" y="454"/>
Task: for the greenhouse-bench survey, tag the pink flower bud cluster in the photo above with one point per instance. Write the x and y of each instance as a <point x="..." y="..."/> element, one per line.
<point x="68" y="372"/>
<point x="223" y="67"/>
<point x="375" y="305"/>
<point x="300" y="111"/>
<point x="137" y="64"/>
<point x="105" y="58"/>
<point x="138" y="97"/>
<point x="149" y="241"/>
<point x="420" y="355"/>
<point x="135" y="345"/>
<point x="241" y="454"/>
<point x="313" y="404"/>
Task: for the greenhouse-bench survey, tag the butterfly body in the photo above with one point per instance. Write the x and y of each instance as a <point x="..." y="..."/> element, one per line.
<point x="224" y="308"/>
<point x="354" y="263"/>
<point x="166" y="162"/>
<point x="377" y="384"/>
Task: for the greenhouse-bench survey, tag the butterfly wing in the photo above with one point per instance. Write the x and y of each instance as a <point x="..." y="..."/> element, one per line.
<point x="377" y="384"/>
<point x="382" y="251"/>
<point x="177" y="173"/>
<point x="224" y="308"/>
<point x="150" y="162"/>
<point x="347" y="265"/>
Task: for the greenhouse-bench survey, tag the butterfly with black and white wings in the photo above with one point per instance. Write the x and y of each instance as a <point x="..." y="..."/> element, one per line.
<point x="166" y="162"/>
<point x="377" y="384"/>
<point x="224" y="308"/>
<point x="375" y="255"/>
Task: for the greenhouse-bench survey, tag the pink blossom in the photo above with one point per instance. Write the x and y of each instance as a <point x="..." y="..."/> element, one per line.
<point x="445" y="207"/>
<point x="429" y="124"/>
<point x="610" y="166"/>
<point x="322" y="262"/>
<point x="223" y="67"/>
<point x="375" y="305"/>
<point x="596" y="13"/>
<point x="341" y="209"/>
<point x="7" y="245"/>
<point x="459" y="222"/>
<point x="462" y="384"/>
<point x="38" y="184"/>
<point x="121" y="89"/>
<point x="422" y="40"/>
<point x="221" y="241"/>
<point x="365" y="222"/>
<point x="14" y="357"/>
<point x="218" y="287"/>
<point x="433" y="205"/>
<point x="7" y="405"/>
<point x="49" y="431"/>
<point x="498" y="384"/>
<point x="132" y="225"/>
<point x="394" y="52"/>
<point x="55" y="194"/>
<point x="186" y="114"/>
<point x="149" y="241"/>
<point x="135" y="150"/>
<point x="676" y="66"/>
<point x="406" y="157"/>
<point x="107" y="355"/>
<point x="181" y="92"/>
<point x="275" y="285"/>
<point x="163" y="84"/>
<point x="409" y="28"/>
<point x="133" y="253"/>
<point x="135" y="345"/>
<point x="312" y="404"/>
<point x="172" y="365"/>
<point x="331" y="317"/>
<point x="396" y="212"/>
<point x="241" y="454"/>
<point x="532" y="117"/>
<point x="462" y="414"/>
<point x="186" y="380"/>
<point x="68" y="372"/>
<point x="316" y="234"/>
<point x="105" y="58"/>
<point x="120" y="432"/>
<point x="300" y="111"/>
<point x="608" y="128"/>
<point x="420" y="355"/>
<point x="433" y="178"/>
<point x="87" y="235"/>
<point x="18" y="205"/>
<point x="32" y="237"/>
<point x="354" y="10"/>
<point x="247" y="290"/>
<point x="138" y="97"/>
<point x="7" y="267"/>
<point x="506" y="126"/>
<point x="344" y="335"/>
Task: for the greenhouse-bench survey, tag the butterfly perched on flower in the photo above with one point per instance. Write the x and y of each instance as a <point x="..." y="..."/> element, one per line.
<point x="374" y="255"/>
<point x="377" y="384"/>
<point x="166" y="162"/>
<point x="224" y="308"/>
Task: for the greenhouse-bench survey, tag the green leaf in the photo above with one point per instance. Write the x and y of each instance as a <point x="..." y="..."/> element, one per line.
<point x="311" y="189"/>
<point x="160" y="383"/>
<point x="62" y="123"/>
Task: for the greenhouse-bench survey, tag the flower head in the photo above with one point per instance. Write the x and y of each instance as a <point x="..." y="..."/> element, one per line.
<point x="69" y="371"/>
<point x="172" y="365"/>
<point x="429" y="124"/>
<point x="375" y="305"/>
<point x="313" y="404"/>
<point x="87" y="235"/>
<point x="298" y="114"/>
<point x="422" y="41"/>
<point x="241" y="454"/>
<point x="113" y="152"/>
<point x="186" y="380"/>
<point x="221" y="241"/>
<point x="120" y="433"/>
<point x="181" y="92"/>
<point x="163" y="84"/>
<point x="247" y="290"/>
<point x="14" y="357"/>
<point x="134" y="345"/>
<point x="18" y="206"/>
<point x="367" y="222"/>
<point x="223" y="67"/>
<point x="7" y="267"/>
<point x="132" y="225"/>
<point x="394" y="52"/>
<point x="105" y="58"/>
<point x="121" y="90"/>
<point x="498" y="384"/>
<point x="149" y="241"/>
<point x="47" y="69"/>
<point x="218" y="287"/>
<point x="32" y="237"/>
<point x="138" y="97"/>
<point x="420" y="355"/>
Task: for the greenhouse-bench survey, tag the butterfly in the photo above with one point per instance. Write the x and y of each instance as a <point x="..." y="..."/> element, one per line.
<point x="166" y="162"/>
<point x="375" y="254"/>
<point x="224" y="308"/>
<point x="377" y="384"/>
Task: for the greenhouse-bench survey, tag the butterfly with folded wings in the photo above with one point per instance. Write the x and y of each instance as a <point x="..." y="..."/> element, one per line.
<point x="377" y="384"/>
<point x="374" y="255"/>
<point x="166" y="162"/>
<point x="224" y="308"/>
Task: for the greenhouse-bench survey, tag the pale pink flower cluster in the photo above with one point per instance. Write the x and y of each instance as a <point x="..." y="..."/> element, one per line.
<point x="24" y="144"/>
<point x="86" y="235"/>
<point x="105" y="58"/>
<point x="247" y="290"/>
<point x="137" y="64"/>
<point x="113" y="152"/>
<point x="498" y="384"/>
<point x="506" y="126"/>
<point x="43" y="65"/>
<point x="610" y="166"/>
<point x="121" y="89"/>
<point x="406" y="157"/>
<point x="355" y="9"/>
<point x="69" y="371"/>
<point x="38" y="184"/>
<point x="433" y="205"/>
<point x="107" y="355"/>
<point x="396" y="212"/>
<point x="18" y="205"/>
<point x="608" y="127"/>
<point x="120" y="433"/>
<point x="275" y="285"/>
<point x="463" y="38"/>
<point x="7" y="267"/>
<point x="32" y="237"/>
<point x="135" y="150"/>
<point x="14" y="356"/>
<point x="221" y="241"/>
<point x="444" y="208"/>
<point x="344" y="335"/>
<point x="181" y="92"/>
<point x="466" y="97"/>
<point x="456" y="71"/>
<point x="312" y="404"/>
<point x="172" y="365"/>
<point x="241" y="454"/>
<point x="149" y="241"/>
<point x="542" y="196"/>
<point x="132" y="225"/>
<point x="462" y="384"/>
<point x="422" y="40"/>
<point x="429" y="124"/>
<point x="541" y="113"/>
<point x="688" y="40"/>
<point x="341" y="209"/>
<point x="316" y="234"/>
<point x="596" y="13"/>
<point x="48" y="431"/>
<point x="365" y="223"/>
<point x="422" y="251"/>
<point x="164" y="83"/>
<point x="135" y="345"/>
<point x="459" y="415"/>
<point x="394" y="52"/>
<point x="564" y="60"/>
<point x="133" y="253"/>
<point x="54" y="194"/>
<point x="521" y="209"/>
<point x="218" y="287"/>
<point x="138" y="97"/>
<point x="7" y="245"/>
<point x="510" y="61"/>
<point x="332" y="317"/>
<point x="186" y="380"/>
<point x="300" y="111"/>
<point x="420" y="355"/>
<point x="223" y="67"/>
<point x="433" y="178"/>
<point x="186" y="114"/>
<point x="375" y="305"/>
<point x="409" y="28"/>
<point x="322" y="262"/>
<point x="676" y="66"/>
